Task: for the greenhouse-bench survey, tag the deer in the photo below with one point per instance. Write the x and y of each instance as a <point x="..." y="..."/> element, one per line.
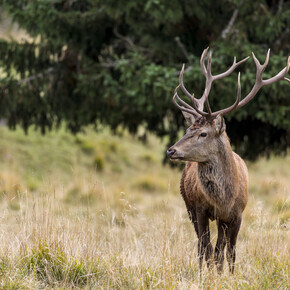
<point x="214" y="182"/>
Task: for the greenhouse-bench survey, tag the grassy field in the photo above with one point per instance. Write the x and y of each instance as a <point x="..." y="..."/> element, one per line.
<point x="100" y="211"/>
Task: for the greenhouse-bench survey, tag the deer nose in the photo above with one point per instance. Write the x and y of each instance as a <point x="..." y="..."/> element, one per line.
<point x="170" y="152"/>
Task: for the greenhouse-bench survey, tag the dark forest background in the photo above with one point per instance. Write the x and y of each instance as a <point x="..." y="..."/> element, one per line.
<point x="117" y="63"/>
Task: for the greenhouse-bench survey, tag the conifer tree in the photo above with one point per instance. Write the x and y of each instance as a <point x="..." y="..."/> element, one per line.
<point x="117" y="63"/>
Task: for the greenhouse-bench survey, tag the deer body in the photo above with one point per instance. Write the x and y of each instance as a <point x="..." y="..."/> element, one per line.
<point x="214" y="183"/>
<point x="214" y="187"/>
<point x="221" y="185"/>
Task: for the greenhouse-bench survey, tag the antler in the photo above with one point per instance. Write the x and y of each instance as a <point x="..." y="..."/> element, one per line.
<point x="186" y="108"/>
<point x="210" y="78"/>
<point x="198" y="104"/>
<point x="259" y="78"/>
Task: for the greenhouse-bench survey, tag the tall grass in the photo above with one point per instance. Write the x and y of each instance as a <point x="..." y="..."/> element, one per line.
<point x="69" y="222"/>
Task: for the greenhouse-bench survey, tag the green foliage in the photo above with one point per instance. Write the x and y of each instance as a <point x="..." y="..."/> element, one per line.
<point x="51" y="265"/>
<point x="117" y="63"/>
<point x="46" y="263"/>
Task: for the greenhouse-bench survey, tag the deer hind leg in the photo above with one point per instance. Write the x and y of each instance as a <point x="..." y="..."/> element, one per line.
<point x="208" y="252"/>
<point x="204" y="245"/>
<point x="232" y="234"/>
<point x="220" y="246"/>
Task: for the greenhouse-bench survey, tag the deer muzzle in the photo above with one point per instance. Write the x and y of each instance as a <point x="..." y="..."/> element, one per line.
<point x="171" y="152"/>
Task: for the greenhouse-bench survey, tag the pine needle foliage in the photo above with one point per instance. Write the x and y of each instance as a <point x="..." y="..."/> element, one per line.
<point x="117" y="63"/>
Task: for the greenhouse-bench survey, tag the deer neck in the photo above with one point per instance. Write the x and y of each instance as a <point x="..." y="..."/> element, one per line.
<point x="217" y="176"/>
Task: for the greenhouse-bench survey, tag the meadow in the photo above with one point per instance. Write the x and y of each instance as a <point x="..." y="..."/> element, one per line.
<point x="98" y="211"/>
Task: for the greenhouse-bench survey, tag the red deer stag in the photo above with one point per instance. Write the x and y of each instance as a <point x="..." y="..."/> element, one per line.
<point x="214" y="183"/>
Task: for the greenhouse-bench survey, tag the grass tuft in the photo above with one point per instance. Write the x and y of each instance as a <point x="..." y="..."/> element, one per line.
<point x="150" y="183"/>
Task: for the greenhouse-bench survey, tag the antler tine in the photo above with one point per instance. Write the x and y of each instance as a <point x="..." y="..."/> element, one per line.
<point x="280" y="76"/>
<point x="209" y="81"/>
<point x="236" y="103"/>
<point x="202" y="58"/>
<point x="210" y="78"/>
<point x="197" y="108"/>
<point x="231" y="69"/>
<point x="208" y="68"/>
<point x="259" y="83"/>
<point x="180" y="100"/>
<point x="239" y="94"/>
<point x="181" y="85"/>
<point x="261" y="67"/>
<point x="287" y="69"/>
<point x="187" y="107"/>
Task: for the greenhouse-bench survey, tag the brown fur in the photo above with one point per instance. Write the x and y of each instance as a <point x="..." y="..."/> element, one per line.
<point x="214" y="188"/>
<point x="214" y="183"/>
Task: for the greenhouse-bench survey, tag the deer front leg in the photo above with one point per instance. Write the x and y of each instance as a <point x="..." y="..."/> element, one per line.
<point x="192" y="215"/>
<point x="220" y="246"/>
<point x="232" y="234"/>
<point x="204" y="245"/>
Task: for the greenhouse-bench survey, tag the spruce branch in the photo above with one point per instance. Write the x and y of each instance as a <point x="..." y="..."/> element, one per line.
<point x="124" y="38"/>
<point x="230" y="25"/>
<point x="29" y="79"/>
<point x="182" y="47"/>
<point x="283" y="36"/>
<point x="37" y="76"/>
<point x="280" y="7"/>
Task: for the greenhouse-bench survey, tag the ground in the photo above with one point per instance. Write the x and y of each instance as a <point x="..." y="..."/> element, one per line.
<point x="101" y="211"/>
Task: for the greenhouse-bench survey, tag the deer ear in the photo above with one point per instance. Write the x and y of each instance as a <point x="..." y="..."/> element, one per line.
<point x="189" y="118"/>
<point x="220" y="125"/>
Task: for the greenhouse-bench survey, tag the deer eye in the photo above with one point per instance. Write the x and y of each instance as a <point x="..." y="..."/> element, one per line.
<point x="203" y="134"/>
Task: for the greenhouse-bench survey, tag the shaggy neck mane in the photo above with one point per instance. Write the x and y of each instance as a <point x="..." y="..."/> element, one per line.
<point x="218" y="175"/>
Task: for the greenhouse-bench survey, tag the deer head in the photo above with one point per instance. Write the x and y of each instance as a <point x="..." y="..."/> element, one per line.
<point x="202" y="139"/>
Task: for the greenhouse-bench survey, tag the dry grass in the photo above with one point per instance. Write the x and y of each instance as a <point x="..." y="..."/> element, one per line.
<point x="66" y="222"/>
